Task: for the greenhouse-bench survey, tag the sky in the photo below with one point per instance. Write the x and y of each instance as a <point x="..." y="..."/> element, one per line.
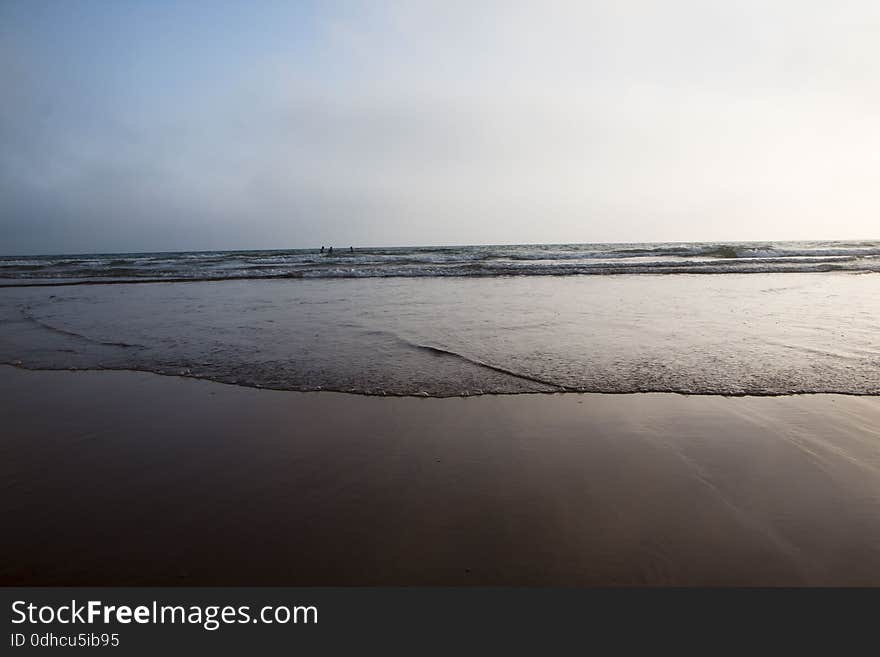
<point x="147" y="126"/>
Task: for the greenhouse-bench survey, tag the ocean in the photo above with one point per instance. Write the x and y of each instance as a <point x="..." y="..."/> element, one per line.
<point x="774" y="318"/>
<point x="433" y="261"/>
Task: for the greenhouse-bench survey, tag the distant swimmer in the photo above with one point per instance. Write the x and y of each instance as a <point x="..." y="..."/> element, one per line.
<point x="322" y="249"/>
<point x="330" y="251"/>
<point x="351" y="248"/>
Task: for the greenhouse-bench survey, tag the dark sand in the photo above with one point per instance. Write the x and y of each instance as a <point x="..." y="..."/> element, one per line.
<point x="133" y="478"/>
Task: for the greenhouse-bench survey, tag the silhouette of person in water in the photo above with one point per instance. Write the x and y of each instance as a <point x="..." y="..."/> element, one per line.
<point x="322" y="249"/>
<point x="330" y="252"/>
<point x="351" y="248"/>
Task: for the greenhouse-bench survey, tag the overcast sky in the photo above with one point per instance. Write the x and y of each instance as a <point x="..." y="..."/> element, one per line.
<point x="138" y="126"/>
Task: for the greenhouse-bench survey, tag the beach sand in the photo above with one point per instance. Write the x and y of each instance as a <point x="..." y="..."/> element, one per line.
<point x="133" y="478"/>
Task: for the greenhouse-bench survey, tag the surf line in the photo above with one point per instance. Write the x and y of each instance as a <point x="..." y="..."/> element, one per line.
<point x="438" y="351"/>
<point x="31" y="318"/>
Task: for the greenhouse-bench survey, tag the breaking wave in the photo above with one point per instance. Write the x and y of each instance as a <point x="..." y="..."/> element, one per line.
<point x="463" y="261"/>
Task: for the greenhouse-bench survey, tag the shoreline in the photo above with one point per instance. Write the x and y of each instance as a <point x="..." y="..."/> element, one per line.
<point x="562" y="391"/>
<point x="301" y="277"/>
<point x="136" y="478"/>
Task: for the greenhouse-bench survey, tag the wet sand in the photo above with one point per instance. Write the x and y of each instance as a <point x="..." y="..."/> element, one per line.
<point x="133" y="478"/>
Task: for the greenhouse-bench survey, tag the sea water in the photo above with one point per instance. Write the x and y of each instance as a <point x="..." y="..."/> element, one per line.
<point x="776" y="318"/>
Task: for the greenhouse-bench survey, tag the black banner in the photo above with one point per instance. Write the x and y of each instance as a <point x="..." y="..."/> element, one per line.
<point x="134" y="621"/>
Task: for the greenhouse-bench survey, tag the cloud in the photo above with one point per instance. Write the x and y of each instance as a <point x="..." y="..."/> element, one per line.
<point x="403" y="123"/>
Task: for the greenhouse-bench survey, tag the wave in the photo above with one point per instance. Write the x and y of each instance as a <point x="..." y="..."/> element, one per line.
<point x="556" y="388"/>
<point x="30" y="318"/>
<point x="477" y="271"/>
<point x="522" y="260"/>
<point x="476" y="338"/>
<point x="438" y="351"/>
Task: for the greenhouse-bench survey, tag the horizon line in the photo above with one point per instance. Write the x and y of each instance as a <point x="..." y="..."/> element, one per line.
<point x="428" y="246"/>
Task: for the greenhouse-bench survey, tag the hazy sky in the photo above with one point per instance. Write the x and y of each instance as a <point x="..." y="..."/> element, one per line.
<point x="134" y="126"/>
